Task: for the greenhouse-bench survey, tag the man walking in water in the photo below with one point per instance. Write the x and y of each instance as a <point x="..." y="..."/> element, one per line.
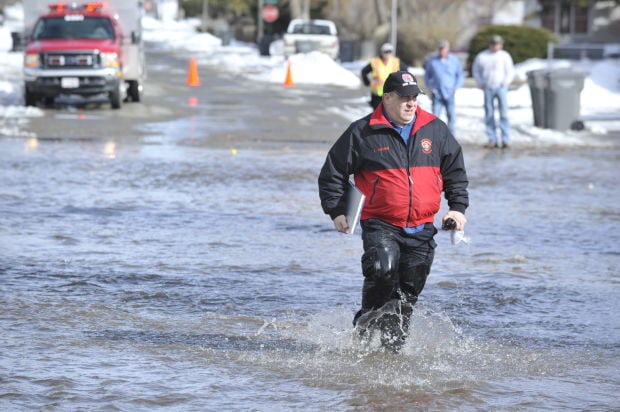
<point x="402" y="158"/>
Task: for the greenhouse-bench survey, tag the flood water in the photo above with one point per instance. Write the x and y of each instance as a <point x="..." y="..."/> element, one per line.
<point x="167" y="274"/>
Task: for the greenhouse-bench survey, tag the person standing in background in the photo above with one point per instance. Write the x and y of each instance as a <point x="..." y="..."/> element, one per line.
<point x="493" y="70"/>
<point x="380" y="67"/>
<point x="443" y="74"/>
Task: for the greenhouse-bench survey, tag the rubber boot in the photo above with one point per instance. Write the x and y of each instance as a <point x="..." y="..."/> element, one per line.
<point x="394" y="325"/>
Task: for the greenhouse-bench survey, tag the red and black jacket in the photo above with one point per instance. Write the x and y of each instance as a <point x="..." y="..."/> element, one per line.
<point x="402" y="183"/>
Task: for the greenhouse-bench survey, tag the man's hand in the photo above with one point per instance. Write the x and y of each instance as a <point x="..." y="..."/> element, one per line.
<point x="340" y="223"/>
<point x="458" y="217"/>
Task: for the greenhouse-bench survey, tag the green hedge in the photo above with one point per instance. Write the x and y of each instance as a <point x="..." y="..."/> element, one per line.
<point x="522" y="42"/>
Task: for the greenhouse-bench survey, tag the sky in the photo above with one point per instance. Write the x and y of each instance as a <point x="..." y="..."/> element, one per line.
<point x="600" y="97"/>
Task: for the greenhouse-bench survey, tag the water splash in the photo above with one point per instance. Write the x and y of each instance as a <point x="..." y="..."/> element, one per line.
<point x="437" y="354"/>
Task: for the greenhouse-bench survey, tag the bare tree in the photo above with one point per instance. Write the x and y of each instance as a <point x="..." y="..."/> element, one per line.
<point x="358" y="19"/>
<point x="421" y="23"/>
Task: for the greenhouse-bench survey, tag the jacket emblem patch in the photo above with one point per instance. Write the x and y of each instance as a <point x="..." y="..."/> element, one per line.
<point x="427" y="145"/>
<point x="382" y="149"/>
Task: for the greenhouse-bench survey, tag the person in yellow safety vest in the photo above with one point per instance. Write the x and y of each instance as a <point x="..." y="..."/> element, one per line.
<point x="380" y="67"/>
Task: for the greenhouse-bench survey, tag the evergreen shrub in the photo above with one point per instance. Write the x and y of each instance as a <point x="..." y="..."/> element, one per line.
<point x="522" y="42"/>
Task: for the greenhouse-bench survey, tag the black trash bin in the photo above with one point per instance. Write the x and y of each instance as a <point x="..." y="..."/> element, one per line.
<point x="563" y="99"/>
<point x="538" y="82"/>
<point x="347" y="50"/>
<point x="17" y="40"/>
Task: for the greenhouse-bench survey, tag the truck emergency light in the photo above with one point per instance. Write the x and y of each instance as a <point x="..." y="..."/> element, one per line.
<point x="87" y="7"/>
<point x="93" y="7"/>
<point x="58" y="8"/>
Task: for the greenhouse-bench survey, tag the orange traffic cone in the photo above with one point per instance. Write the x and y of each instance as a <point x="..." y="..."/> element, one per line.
<point x="192" y="75"/>
<point x="288" y="81"/>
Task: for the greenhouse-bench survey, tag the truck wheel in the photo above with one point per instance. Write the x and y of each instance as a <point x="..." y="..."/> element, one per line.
<point x="115" y="98"/>
<point x="30" y="98"/>
<point x="133" y="92"/>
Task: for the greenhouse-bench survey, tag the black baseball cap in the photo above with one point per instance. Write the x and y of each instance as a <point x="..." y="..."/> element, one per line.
<point x="403" y="83"/>
<point x="496" y="39"/>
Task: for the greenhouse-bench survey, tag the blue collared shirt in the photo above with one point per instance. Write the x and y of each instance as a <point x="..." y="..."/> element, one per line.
<point x="443" y="76"/>
<point x="405" y="134"/>
<point x="403" y="131"/>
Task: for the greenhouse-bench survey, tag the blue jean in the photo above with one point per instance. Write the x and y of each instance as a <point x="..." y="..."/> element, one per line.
<point x="439" y="102"/>
<point x="491" y="95"/>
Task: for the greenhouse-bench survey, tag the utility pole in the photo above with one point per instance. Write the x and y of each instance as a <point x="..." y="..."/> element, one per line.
<point x="394" y="24"/>
<point x="205" y="14"/>
<point x="259" y="20"/>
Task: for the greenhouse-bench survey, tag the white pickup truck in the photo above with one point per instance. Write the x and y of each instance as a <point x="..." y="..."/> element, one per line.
<point x="303" y="36"/>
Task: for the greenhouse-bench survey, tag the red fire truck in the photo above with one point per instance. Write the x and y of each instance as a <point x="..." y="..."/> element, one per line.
<point x="88" y="50"/>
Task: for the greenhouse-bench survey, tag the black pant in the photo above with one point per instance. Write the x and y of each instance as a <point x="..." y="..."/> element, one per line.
<point x="412" y="257"/>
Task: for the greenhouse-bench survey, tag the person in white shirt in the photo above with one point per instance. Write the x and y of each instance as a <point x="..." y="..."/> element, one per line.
<point x="493" y="70"/>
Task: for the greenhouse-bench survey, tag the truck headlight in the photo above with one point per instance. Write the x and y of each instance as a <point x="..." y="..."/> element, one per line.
<point x="109" y="60"/>
<point x="31" y="60"/>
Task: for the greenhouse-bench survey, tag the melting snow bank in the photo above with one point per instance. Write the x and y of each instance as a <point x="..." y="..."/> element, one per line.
<point x="13" y="114"/>
<point x="178" y="35"/>
<point x="13" y="118"/>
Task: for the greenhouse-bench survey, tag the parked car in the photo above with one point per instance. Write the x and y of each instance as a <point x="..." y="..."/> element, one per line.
<point x="303" y="36"/>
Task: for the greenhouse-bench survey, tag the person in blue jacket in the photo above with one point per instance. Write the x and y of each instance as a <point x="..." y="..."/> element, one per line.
<point x="443" y="75"/>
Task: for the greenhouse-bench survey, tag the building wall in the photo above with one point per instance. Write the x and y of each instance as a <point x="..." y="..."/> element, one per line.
<point x="564" y="18"/>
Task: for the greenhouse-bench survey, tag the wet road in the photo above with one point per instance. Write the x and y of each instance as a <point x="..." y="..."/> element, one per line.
<point x="225" y="111"/>
<point x="174" y="257"/>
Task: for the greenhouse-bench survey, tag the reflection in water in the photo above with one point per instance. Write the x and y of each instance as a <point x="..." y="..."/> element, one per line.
<point x="32" y="144"/>
<point x="109" y="150"/>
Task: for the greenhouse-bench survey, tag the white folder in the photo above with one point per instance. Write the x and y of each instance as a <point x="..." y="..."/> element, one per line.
<point x="355" y="202"/>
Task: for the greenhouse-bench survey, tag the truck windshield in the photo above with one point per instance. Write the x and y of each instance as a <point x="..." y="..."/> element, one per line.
<point x="309" y="28"/>
<point x="73" y="27"/>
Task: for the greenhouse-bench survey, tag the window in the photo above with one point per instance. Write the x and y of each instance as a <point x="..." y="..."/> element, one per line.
<point x="547" y="17"/>
<point x="581" y="19"/>
<point x="564" y="26"/>
<point x="564" y="17"/>
<point x="64" y="28"/>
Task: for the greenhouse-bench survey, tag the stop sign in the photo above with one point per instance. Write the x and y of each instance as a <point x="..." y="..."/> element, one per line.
<point x="270" y="13"/>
